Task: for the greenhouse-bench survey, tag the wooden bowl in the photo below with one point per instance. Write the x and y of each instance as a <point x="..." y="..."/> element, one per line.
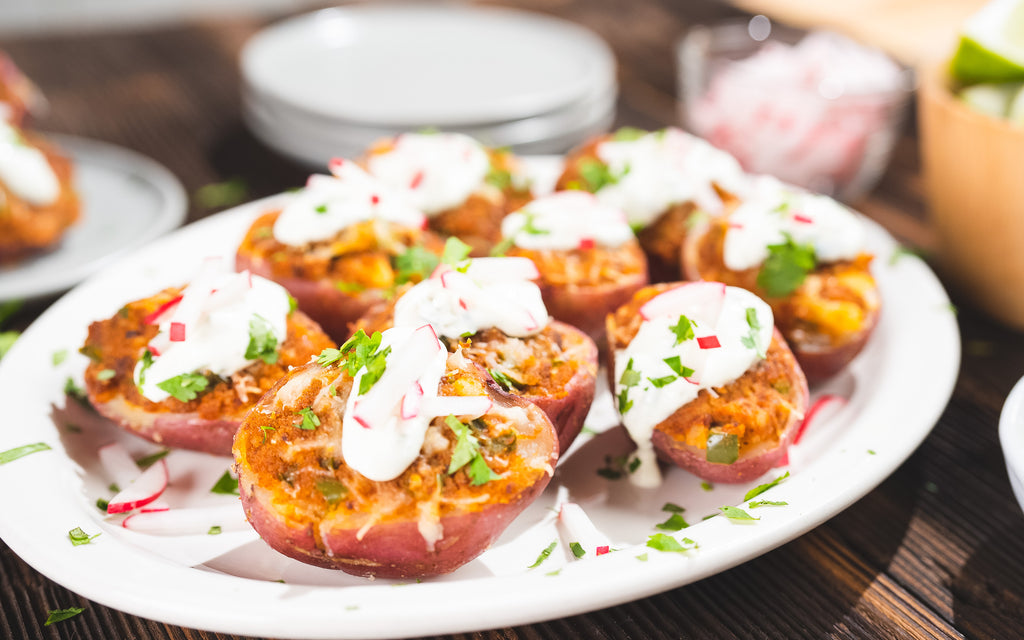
<point x="974" y="183"/>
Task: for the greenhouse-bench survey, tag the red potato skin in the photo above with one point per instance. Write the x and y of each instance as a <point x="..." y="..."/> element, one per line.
<point x="207" y="423"/>
<point x="668" y="438"/>
<point x="394" y="548"/>
<point x="820" y="355"/>
<point x="586" y="307"/>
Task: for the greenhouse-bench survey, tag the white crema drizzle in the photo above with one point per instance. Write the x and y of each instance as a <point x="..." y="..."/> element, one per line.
<point x="664" y="168"/>
<point x="774" y="209"/>
<point x="567" y="220"/>
<point x="216" y="309"/>
<point x="435" y="171"/>
<point x="492" y="293"/>
<point x="329" y="204"/>
<point x="25" y="170"/>
<point x="722" y="316"/>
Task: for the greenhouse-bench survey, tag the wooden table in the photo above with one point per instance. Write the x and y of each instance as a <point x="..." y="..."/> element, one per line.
<point x="937" y="550"/>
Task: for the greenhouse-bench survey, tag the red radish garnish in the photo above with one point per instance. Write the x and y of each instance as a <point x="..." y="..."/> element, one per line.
<point x="470" y="406"/>
<point x="735" y="225"/>
<point x="193" y="520"/>
<point x="708" y="342"/>
<point x="822" y="401"/>
<point x="799" y="217"/>
<point x="118" y="464"/>
<point x="411" y="401"/>
<point x="374" y="199"/>
<point x="146" y="488"/>
<point x="462" y="303"/>
<point x="502" y="269"/>
<point x="335" y="164"/>
<point x="157" y="316"/>
<point x="417" y="180"/>
<point x="581" y="529"/>
<point x="157" y="505"/>
<point x="177" y="332"/>
<point x="379" y="402"/>
<point x="697" y="300"/>
<point x="531" y="323"/>
<point x="586" y="243"/>
<point x="603" y="550"/>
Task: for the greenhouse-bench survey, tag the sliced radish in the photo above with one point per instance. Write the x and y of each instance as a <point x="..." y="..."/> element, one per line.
<point x="118" y="464"/>
<point x="824" y="400"/>
<point x="411" y="402"/>
<point x="581" y="529"/>
<point x="399" y="376"/>
<point x="469" y="406"/>
<point x="708" y="342"/>
<point x="700" y="300"/>
<point x="502" y="269"/>
<point x="157" y="505"/>
<point x="146" y="488"/>
<point x="158" y="316"/>
<point x="194" y="520"/>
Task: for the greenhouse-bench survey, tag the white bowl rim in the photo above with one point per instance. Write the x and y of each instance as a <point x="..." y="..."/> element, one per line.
<point x="1011" y="431"/>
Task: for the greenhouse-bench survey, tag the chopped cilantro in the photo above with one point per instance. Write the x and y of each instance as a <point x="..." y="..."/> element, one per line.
<point x="262" y="341"/>
<point x="102" y="504"/>
<point x="530" y="225"/>
<point x="642" y="557"/>
<point x="147" y="362"/>
<point x="675" y="522"/>
<point x="226" y="485"/>
<point x="455" y="252"/>
<point x="671" y="507"/>
<point x="7" y="340"/>
<point x="722" y="448"/>
<point x="59" y="356"/>
<point x="147" y="461"/>
<point x="767" y="503"/>
<point x="498" y="177"/>
<point x="320" y="208"/>
<point x="683" y="330"/>
<point x="630" y="376"/>
<point x="553" y="573"/>
<point x="628" y="134"/>
<point x="222" y="194"/>
<point x="72" y="389"/>
<point x="502" y="247"/>
<point x="597" y="175"/>
<point x="507" y="382"/>
<point x="349" y="287"/>
<point x="310" y="420"/>
<point x="785" y="268"/>
<point x="750" y="340"/>
<point x="184" y="387"/>
<point x="735" y="513"/>
<point x="113" y="487"/>
<point x="266" y="428"/>
<point x="414" y="264"/>
<point x="332" y="490"/>
<point x="544" y="555"/>
<point x="105" y="374"/>
<point x="663" y="381"/>
<point x="625" y="404"/>
<point x="20" y="452"/>
<point x="707" y="486"/>
<point x="761" y="488"/>
<point x="871" y="452"/>
<point x="79" y="537"/>
<point x="59" y="615"/>
<point x="577" y="549"/>
<point x="616" y="467"/>
<point x="215" y="530"/>
<point x="467" y="452"/>
<point x="665" y="542"/>
<point x="676" y="364"/>
<point x="359" y="351"/>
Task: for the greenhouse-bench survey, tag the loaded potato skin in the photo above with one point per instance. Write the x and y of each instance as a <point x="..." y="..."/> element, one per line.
<point x="306" y="500"/>
<point x="733" y="432"/>
<point x="208" y="421"/>
<point x="827" y="317"/>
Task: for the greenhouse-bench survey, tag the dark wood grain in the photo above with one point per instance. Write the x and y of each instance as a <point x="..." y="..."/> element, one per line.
<point x="937" y="550"/>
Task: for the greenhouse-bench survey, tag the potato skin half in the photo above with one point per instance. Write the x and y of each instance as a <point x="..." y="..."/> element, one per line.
<point x="337" y="281"/>
<point x="763" y="407"/>
<point x="844" y="290"/>
<point x="207" y="423"/>
<point x="27" y="228"/>
<point x="409" y="527"/>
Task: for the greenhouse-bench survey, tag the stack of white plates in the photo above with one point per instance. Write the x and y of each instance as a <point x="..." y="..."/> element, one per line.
<point x="1011" y="437"/>
<point x="332" y="82"/>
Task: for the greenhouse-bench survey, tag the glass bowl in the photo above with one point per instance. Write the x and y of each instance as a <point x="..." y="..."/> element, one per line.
<point x="814" y="109"/>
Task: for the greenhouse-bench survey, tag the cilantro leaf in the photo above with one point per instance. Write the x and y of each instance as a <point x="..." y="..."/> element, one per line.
<point x="146" y="462"/>
<point x="59" y="615"/>
<point x="785" y="268"/>
<point x="662" y="381"/>
<point x="675" y="363"/>
<point x="455" y="252"/>
<point x="530" y="225"/>
<point x="105" y="374"/>
<point x="467" y="452"/>
<point x="768" y="503"/>
<point x="577" y="549"/>
<point x="683" y="330"/>
<point x="184" y="387"/>
<point x="359" y="351"/>
<point x="544" y="555"/>
<point x="672" y="507"/>
<point x="20" y="452"/>
<point x="414" y="264"/>
<point x="665" y="542"/>
<point x="79" y="537"/>
<point x="675" y="522"/>
<point x="262" y="341"/>
<point x="59" y="356"/>
<point x="735" y="513"/>
<point x="222" y="194"/>
<point x="507" y="382"/>
<point x="7" y="340"/>
<point x="630" y="376"/>
<point x="215" y="530"/>
<point x="597" y="175"/>
<point x="147" y="362"/>
<point x="761" y="488"/>
<point x="498" y="177"/>
<point x="226" y="485"/>
<point x="310" y="420"/>
<point x="625" y="404"/>
<point x="332" y="490"/>
<point x="628" y="134"/>
<point x="750" y="340"/>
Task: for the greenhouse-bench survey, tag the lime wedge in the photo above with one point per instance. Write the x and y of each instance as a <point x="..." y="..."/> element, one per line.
<point x="991" y="47"/>
<point x="991" y="99"/>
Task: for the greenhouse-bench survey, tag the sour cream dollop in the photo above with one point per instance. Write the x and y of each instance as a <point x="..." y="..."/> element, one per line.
<point x="664" y="168"/>
<point x="25" y="170"/>
<point x="209" y="328"/>
<point x="493" y="292"/>
<point x="774" y="209"/>
<point x="567" y="220"/>
<point x="732" y="329"/>
<point x="435" y="171"/>
<point x="330" y="204"/>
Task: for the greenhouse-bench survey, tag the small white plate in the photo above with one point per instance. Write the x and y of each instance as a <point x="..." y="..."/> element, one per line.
<point x="127" y="200"/>
<point x="1011" y="437"/>
<point x="234" y="583"/>
<point x="415" y="65"/>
